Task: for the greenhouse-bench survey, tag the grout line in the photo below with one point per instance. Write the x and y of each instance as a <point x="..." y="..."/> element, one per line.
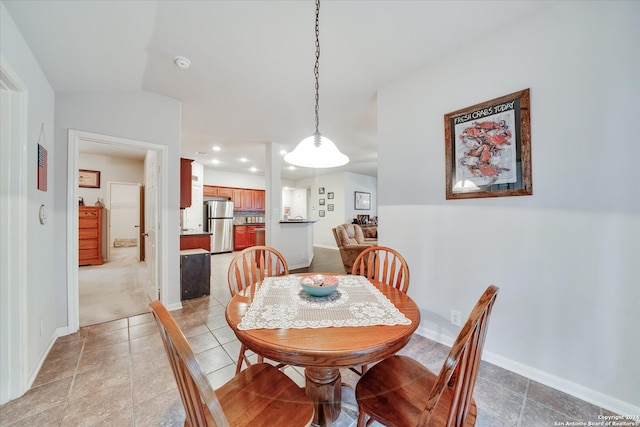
<point x="524" y="403"/>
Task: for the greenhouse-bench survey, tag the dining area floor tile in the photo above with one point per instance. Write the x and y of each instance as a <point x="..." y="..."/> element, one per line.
<point x="116" y="373"/>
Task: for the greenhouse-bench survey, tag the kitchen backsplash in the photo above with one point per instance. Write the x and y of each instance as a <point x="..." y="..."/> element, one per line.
<point x="254" y="217"/>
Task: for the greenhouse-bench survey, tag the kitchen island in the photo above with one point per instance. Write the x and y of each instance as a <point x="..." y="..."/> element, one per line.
<point x="296" y="241"/>
<point x="195" y="239"/>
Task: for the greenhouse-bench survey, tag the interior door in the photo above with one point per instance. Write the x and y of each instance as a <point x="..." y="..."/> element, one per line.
<point x="141" y="222"/>
<point x="151" y="224"/>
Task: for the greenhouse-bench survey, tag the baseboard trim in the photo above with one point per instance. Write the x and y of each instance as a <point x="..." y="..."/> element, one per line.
<point x="326" y="247"/>
<point x="578" y="391"/>
<point x="59" y="332"/>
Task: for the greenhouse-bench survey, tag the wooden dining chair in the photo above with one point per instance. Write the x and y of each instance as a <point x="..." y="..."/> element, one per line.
<point x="249" y="267"/>
<point x="384" y="265"/>
<point x="261" y="395"/>
<point x="400" y="391"/>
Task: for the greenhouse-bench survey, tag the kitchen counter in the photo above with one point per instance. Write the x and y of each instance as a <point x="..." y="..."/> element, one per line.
<point x="194" y="233"/>
<point x="302" y="221"/>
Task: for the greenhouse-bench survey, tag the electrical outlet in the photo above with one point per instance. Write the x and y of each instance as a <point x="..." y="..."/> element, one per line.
<point x="454" y="317"/>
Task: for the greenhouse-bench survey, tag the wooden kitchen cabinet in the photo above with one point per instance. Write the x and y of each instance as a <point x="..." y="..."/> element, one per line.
<point x="243" y="199"/>
<point x="196" y="241"/>
<point x="251" y="235"/>
<point x="209" y="191"/>
<point x="185" y="183"/>
<point x="90" y="235"/>
<point x="213" y="191"/>
<point x="225" y="192"/>
<point x="258" y="200"/>
<point x="239" y="237"/>
<point x="244" y="236"/>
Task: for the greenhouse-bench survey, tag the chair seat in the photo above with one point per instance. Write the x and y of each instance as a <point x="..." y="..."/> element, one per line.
<point x="261" y="395"/>
<point x="403" y="381"/>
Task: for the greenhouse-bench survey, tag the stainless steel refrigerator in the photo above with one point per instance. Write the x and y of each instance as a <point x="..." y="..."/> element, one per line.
<point x="218" y="215"/>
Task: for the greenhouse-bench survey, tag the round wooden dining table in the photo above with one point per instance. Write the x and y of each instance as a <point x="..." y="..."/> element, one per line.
<point x="323" y="351"/>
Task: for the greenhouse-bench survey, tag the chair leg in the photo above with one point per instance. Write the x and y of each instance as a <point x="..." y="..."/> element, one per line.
<point x="361" y="417"/>
<point x="241" y="358"/>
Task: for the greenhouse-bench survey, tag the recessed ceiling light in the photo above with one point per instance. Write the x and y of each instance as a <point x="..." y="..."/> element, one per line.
<point x="215" y="161"/>
<point x="243" y="159"/>
<point x="254" y="169"/>
<point x="216" y="148"/>
<point x="181" y="62"/>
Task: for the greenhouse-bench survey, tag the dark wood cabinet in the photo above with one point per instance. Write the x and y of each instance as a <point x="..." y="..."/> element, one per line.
<point x="90" y="235"/>
<point x="185" y="183"/>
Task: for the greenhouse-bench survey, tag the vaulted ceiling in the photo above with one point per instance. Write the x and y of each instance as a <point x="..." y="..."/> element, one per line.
<point x="251" y="76"/>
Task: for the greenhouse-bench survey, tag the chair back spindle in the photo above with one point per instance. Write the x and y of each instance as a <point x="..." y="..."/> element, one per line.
<point x="252" y="265"/>
<point x="384" y="265"/>
<point x="460" y="369"/>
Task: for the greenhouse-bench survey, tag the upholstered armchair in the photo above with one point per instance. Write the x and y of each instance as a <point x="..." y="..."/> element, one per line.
<point x="351" y="242"/>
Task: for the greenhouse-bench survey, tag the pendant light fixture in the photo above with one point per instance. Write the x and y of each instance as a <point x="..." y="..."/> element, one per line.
<point x="316" y="151"/>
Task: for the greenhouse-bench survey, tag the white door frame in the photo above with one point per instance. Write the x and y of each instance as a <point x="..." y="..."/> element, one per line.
<point x="13" y="228"/>
<point x="74" y="139"/>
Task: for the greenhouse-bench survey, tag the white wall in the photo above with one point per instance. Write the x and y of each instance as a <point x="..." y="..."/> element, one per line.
<point x="230" y="179"/>
<point x="112" y="169"/>
<point x="565" y="258"/>
<point x="363" y="183"/>
<point x="44" y="278"/>
<point x="135" y="115"/>
<point x="342" y="185"/>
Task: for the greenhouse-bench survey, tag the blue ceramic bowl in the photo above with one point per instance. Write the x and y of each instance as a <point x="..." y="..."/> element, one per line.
<point x="330" y="284"/>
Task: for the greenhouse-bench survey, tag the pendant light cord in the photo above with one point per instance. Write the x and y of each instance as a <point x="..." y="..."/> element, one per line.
<point x="316" y="70"/>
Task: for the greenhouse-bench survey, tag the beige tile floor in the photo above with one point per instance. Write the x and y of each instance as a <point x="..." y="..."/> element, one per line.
<point x="116" y="373"/>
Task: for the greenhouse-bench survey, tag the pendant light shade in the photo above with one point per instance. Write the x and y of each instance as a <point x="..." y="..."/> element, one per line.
<point x="316" y="151"/>
<point x="321" y="154"/>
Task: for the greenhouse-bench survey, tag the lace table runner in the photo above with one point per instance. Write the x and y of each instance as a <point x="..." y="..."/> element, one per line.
<point x="282" y="303"/>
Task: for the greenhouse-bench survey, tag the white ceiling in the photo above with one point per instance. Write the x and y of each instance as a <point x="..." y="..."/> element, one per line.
<point x="251" y="77"/>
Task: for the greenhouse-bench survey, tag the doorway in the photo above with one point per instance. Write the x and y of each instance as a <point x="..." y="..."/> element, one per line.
<point x="116" y="289"/>
<point x="106" y="144"/>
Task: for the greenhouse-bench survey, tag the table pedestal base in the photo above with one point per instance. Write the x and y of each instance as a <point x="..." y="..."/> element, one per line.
<point x="323" y="387"/>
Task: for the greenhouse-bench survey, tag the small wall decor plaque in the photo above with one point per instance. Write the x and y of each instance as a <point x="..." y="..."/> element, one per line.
<point x="88" y="178"/>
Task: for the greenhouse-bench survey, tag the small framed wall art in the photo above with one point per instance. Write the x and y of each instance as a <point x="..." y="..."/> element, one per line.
<point x="488" y="149"/>
<point x="88" y="178"/>
<point x="362" y="200"/>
